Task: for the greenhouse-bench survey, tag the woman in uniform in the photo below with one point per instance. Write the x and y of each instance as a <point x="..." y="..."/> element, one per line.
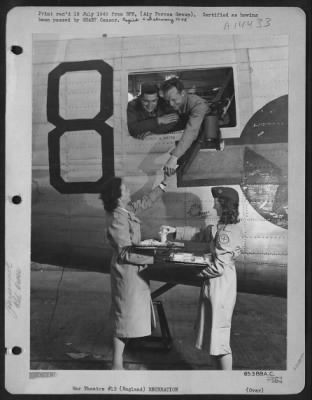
<point x="218" y="293"/>
<point x="131" y="299"/>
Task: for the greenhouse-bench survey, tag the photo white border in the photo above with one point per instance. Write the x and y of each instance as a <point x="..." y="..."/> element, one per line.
<point x="21" y="24"/>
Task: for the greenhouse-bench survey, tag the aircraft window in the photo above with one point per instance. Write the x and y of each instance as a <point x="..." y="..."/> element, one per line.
<point x="215" y="85"/>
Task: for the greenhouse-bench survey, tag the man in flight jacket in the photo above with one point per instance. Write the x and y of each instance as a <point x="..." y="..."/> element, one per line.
<point x="150" y="114"/>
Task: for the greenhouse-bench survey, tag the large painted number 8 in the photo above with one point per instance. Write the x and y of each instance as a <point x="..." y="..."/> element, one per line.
<point x="97" y="124"/>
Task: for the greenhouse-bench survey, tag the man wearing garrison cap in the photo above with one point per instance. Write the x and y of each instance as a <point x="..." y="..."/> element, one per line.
<point x="150" y="114"/>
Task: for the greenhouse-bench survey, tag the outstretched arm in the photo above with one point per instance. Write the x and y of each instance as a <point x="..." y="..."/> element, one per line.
<point x="147" y="200"/>
<point x="195" y="119"/>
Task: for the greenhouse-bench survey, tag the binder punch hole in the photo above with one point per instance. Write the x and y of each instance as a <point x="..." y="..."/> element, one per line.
<point x="16" y="350"/>
<point x="16" y="199"/>
<point x="17" y="50"/>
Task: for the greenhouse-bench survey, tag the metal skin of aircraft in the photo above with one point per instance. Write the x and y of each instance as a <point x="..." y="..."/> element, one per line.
<point x="80" y="138"/>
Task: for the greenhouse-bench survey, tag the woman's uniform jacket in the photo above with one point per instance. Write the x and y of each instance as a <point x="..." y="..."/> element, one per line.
<point x="218" y="293"/>
<point x="131" y="299"/>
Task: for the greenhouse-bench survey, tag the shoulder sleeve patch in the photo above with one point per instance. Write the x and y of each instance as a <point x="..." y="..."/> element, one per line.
<point x="224" y="238"/>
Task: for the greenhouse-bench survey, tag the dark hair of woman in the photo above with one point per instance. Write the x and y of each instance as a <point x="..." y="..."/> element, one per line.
<point x="110" y="193"/>
<point x="229" y="211"/>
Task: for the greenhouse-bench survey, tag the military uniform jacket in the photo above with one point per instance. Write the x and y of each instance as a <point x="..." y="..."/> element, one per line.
<point x="131" y="300"/>
<point x="141" y="121"/>
<point x="194" y="111"/>
<point x="218" y="294"/>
